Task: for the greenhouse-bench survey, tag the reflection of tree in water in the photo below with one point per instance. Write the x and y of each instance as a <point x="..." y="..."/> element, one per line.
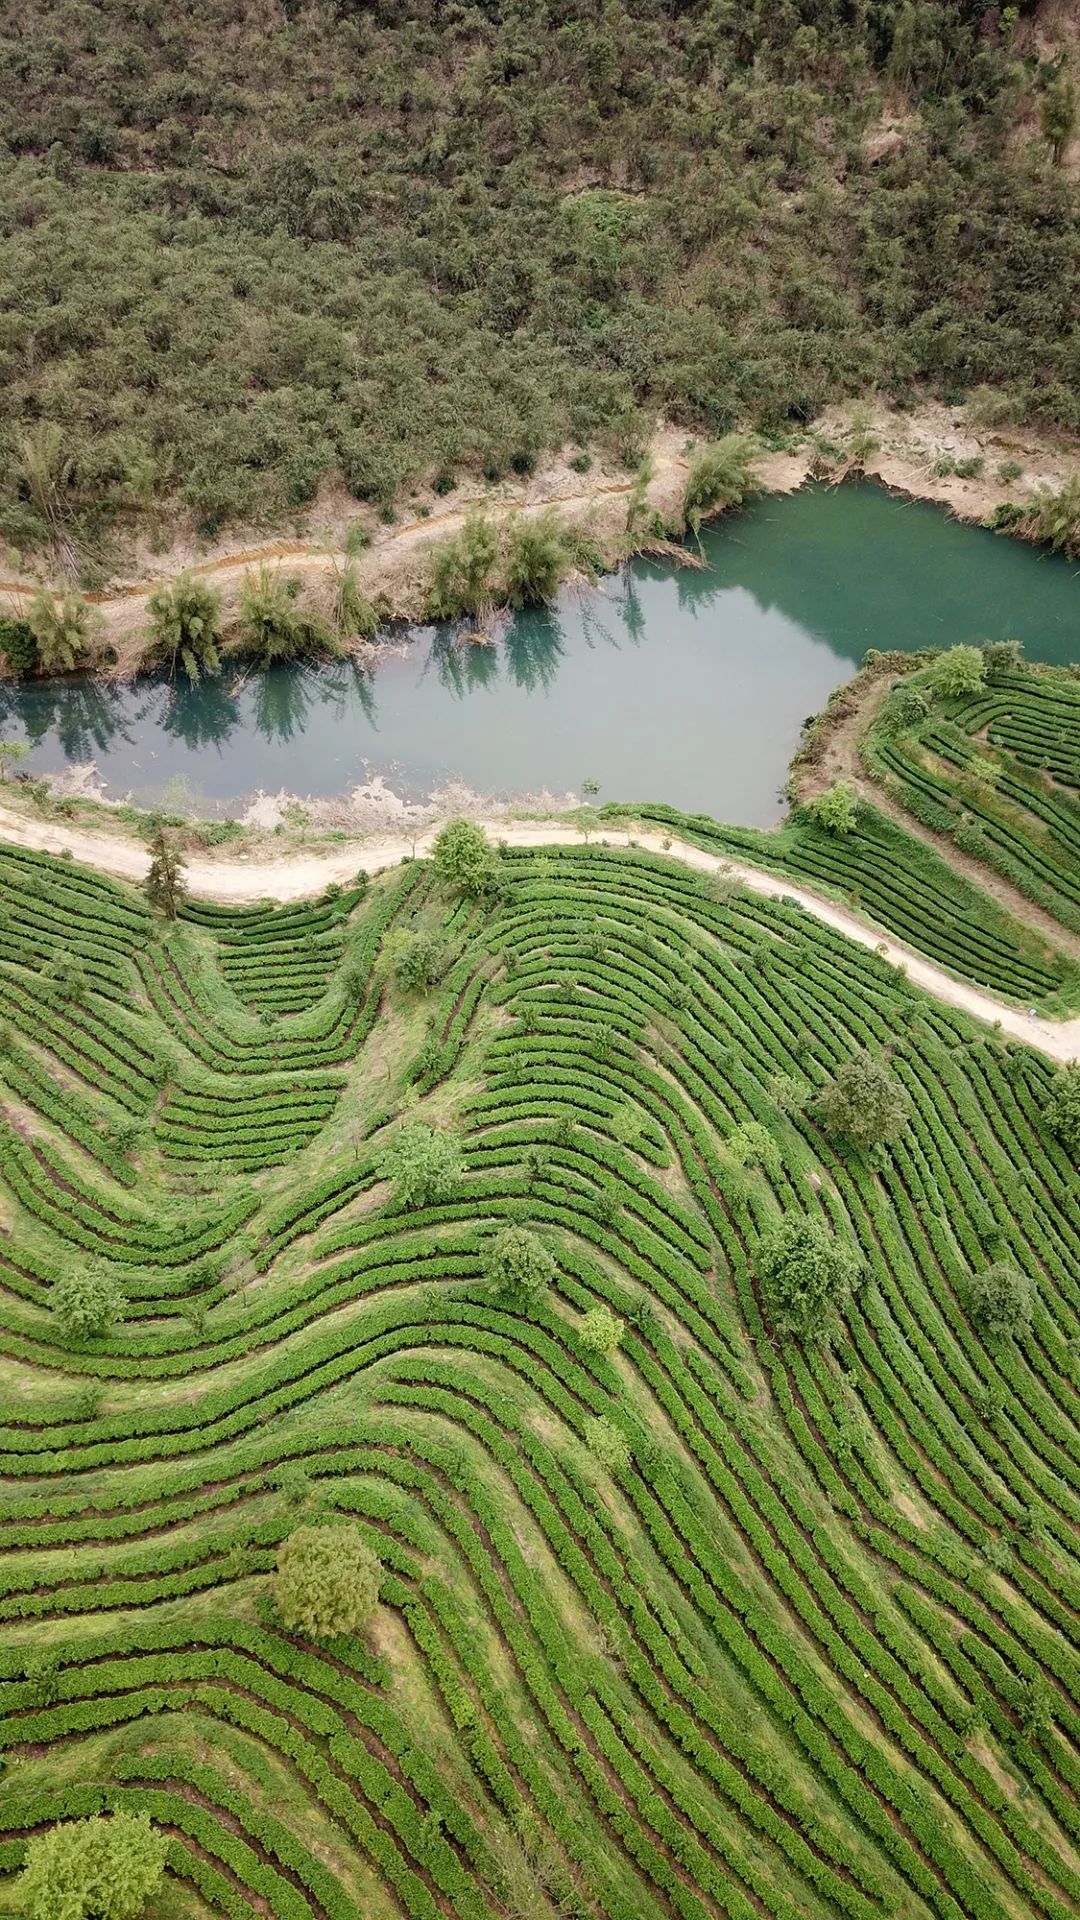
<point x="283" y="701"/>
<point x="83" y="716"/>
<point x="202" y="716"/>
<point x="632" y="611"/>
<point x="345" y="681"/>
<point x="461" y="665"/>
<point x="533" y="646"/>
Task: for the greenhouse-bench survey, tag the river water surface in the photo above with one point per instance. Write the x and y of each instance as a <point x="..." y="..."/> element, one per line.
<point x="667" y="683"/>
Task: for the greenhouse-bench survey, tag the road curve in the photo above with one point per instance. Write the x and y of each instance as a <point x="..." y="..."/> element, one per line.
<point x="240" y="880"/>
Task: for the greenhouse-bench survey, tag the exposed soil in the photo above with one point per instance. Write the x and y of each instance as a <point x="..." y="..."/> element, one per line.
<point x="393" y="568"/>
<point x="240" y="878"/>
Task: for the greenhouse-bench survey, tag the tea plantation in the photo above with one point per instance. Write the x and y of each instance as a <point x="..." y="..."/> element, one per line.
<point x="450" y="1225"/>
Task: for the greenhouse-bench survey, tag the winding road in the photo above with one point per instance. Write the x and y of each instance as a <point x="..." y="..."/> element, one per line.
<point x="240" y="880"/>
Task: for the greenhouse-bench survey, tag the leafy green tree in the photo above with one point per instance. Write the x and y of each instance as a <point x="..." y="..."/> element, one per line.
<point x="18" y="644"/>
<point x="1062" y="1110"/>
<point x="600" y="1331"/>
<point x="10" y="752"/>
<point x="423" y="1166"/>
<point x="1000" y="1300"/>
<point x="185" y="626"/>
<point x="64" y="627"/>
<point x="1001" y="657"/>
<point x="86" y="1304"/>
<point x="1054" y="518"/>
<point x="720" y="476"/>
<point x="906" y="708"/>
<point x="418" y="961"/>
<point x="519" y="1264"/>
<point x="863" y="1103"/>
<point x="165" y="883"/>
<point x="463" y="858"/>
<point x="837" y="809"/>
<point x="104" y="1868"/>
<point x="958" y="670"/>
<point x="802" y="1272"/>
<point x="327" y="1582"/>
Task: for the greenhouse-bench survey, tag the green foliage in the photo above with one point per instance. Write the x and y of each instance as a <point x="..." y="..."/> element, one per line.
<point x="958" y="670"/>
<point x="863" y="1104"/>
<point x="11" y="751"/>
<point x="86" y="1304"/>
<point x="905" y="707"/>
<point x="355" y="616"/>
<point x="165" y="882"/>
<point x="837" y="808"/>
<point x="463" y="858"/>
<point x="519" y="1264"/>
<point x="326" y="1583"/>
<point x="1057" y="113"/>
<point x="96" y="1869"/>
<point x="18" y="644"/>
<point x="721" y="476"/>
<point x="803" y="1272"/>
<point x="272" y="627"/>
<point x="422" y="1165"/>
<point x="600" y="1331"/>
<point x="999" y="1300"/>
<point x="418" y="961"/>
<point x="1002" y="657"/>
<point x="537" y="559"/>
<point x="462" y="571"/>
<point x="1054" y="518"/>
<point x="752" y="1145"/>
<point x="608" y="1443"/>
<point x="1062" y="1107"/>
<point x="185" y="624"/>
<point x="64" y="627"/>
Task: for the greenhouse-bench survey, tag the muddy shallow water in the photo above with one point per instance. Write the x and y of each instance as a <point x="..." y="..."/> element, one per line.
<point x="665" y="684"/>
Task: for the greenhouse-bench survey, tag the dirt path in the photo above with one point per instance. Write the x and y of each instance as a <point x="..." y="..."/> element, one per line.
<point x="842" y="760"/>
<point x="238" y="880"/>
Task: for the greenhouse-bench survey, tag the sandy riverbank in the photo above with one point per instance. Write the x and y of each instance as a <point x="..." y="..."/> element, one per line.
<point x="905" y="451"/>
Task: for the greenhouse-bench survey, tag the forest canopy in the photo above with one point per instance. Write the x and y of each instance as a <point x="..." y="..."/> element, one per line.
<point x="247" y="243"/>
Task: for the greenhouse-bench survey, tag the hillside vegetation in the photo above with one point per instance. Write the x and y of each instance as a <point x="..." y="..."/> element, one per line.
<point x="652" y="1325"/>
<point x="249" y="244"/>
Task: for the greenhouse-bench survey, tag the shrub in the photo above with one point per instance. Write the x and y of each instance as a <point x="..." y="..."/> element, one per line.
<point x="752" y="1145"/>
<point x="802" y="1271"/>
<point x="1002" y="656"/>
<point x="418" y="961"/>
<point x="862" y="1103"/>
<point x="600" y="1331"/>
<point x="96" y="1869"/>
<point x="86" y="1304"/>
<point x="958" y="670"/>
<point x="1000" y="1300"/>
<point x="608" y="1443"/>
<point x="1062" y="1110"/>
<point x="18" y="644"/>
<point x="905" y="708"/>
<point x="519" y="1264"/>
<point x="64" y="627"/>
<point x="271" y="625"/>
<point x="720" y="476"/>
<point x="185" y="626"/>
<point x="423" y="1166"/>
<point x="355" y="616"/>
<point x="538" y="561"/>
<point x="327" y="1582"/>
<point x="837" y="809"/>
<point x="463" y="857"/>
<point x="461" y="572"/>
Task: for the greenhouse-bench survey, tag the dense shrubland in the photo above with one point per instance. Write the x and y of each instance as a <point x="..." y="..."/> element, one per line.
<point x="250" y="244"/>
<point x="587" y="1428"/>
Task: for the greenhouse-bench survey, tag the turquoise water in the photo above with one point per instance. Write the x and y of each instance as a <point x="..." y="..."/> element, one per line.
<point x="668" y="683"/>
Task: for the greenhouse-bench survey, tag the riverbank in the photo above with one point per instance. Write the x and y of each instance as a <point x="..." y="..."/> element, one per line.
<point x="931" y="453"/>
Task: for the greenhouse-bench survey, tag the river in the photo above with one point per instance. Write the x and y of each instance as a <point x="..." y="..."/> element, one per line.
<point x="667" y="683"/>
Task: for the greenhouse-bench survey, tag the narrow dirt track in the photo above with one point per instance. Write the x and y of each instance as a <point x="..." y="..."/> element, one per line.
<point x="239" y="881"/>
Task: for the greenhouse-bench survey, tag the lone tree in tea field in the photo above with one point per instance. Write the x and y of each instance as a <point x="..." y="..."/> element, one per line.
<point x="327" y="1582"/>
<point x="1000" y="1300"/>
<point x="863" y="1103"/>
<point x="463" y="858"/>
<point x="86" y="1304"/>
<point x="422" y="1165"/>
<point x="165" y="882"/>
<point x="519" y="1264"/>
<point x="96" y="1869"/>
<point x="1063" y="1107"/>
<point x="802" y="1272"/>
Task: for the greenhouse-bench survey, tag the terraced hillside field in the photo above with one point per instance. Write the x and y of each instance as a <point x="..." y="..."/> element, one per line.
<point x="717" y="1622"/>
<point x="998" y="771"/>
